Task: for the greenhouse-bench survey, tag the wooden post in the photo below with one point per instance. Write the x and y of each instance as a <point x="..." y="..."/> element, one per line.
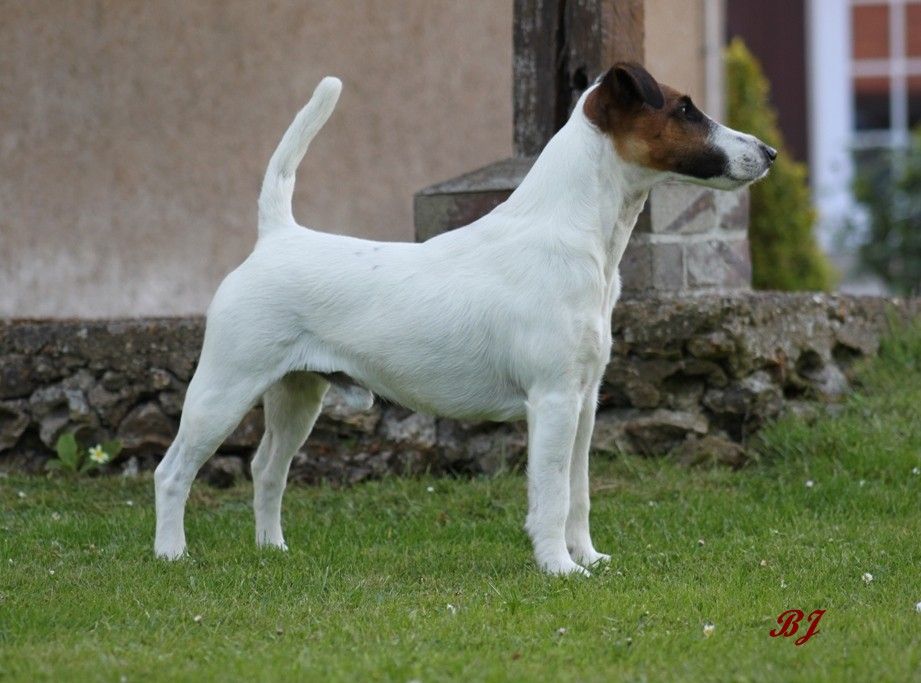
<point x="560" y="47"/>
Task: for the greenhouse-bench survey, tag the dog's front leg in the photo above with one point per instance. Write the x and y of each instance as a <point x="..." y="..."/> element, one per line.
<point x="578" y="537"/>
<point x="552" y="423"/>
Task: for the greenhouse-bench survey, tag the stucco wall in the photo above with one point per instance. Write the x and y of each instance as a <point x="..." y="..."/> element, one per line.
<point x="675" y="44"/>
<point x="133" y="135"/>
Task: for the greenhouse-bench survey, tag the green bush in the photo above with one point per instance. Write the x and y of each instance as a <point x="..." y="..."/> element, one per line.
<point x="785" y="255"/>
<point x="888" y="184"/>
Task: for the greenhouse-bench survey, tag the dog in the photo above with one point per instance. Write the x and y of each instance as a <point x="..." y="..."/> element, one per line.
<point x="508" y="318"/>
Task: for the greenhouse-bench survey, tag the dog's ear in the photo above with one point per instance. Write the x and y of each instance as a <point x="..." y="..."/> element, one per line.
<point x="628" y="85"/>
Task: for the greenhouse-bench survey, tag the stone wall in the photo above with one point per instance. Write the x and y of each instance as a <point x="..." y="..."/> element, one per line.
<point x="691" y="376"/>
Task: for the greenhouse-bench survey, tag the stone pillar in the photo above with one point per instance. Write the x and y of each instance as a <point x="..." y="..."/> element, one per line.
<point x="688" y="239"/>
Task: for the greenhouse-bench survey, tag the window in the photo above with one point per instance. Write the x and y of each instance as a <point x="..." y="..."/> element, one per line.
<point x="886" y="71"/>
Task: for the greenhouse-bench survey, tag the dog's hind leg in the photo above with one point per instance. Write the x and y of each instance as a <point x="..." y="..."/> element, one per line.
<point x="214" y="406"/>
<point x="291" y="408"/>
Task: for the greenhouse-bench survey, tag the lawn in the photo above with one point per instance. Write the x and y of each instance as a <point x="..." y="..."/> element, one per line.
<point x="432" y="579"/>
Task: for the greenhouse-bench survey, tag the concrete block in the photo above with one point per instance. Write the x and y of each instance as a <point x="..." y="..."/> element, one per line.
<point x="685" y="209"/>
<point x="462" y="200"/>
<point x="724" y="264"/>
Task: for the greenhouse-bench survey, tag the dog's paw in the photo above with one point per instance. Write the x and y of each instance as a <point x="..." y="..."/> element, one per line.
<point x="170" y="552"/>
<point x="562" y="566"/>
<point x="589" y="557"/>
<point x="271" y="539"/>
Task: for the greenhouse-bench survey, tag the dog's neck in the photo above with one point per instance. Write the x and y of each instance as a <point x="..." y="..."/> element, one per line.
<point x="580" y="192"/>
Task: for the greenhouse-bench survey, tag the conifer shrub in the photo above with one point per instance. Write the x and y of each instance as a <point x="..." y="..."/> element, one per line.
<point x="785" y="255"/>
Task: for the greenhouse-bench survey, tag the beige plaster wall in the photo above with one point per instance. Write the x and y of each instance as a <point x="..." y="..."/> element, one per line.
<point x="675" y="48"/>
<point x="134" y="134"/>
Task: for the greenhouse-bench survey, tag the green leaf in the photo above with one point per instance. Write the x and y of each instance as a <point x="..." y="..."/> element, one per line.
<point x="67" y="450"/>
<point x="113" y="448"/>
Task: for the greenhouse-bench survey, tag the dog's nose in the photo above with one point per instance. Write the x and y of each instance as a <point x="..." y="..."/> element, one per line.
<point x="769" y="152"/>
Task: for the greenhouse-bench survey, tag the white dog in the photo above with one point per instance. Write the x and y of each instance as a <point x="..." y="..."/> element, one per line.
<point x="505" y="319"/>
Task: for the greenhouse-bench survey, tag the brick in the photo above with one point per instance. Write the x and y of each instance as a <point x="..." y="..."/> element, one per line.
<point x="725" y="264"/>
<point x="649" y="268"/>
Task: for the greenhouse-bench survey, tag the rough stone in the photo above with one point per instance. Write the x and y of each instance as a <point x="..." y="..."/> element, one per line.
<point x="248" y="433"/>
<point x="714" y="374"/>
<point x="14" y="420"/>
<point x="338" y="413"/>
<point x="222" y="471"/>
<point x="415" y="429"/>
<point x="57" y="409"/>
<point x="803" y="410"/>
<point x="171" y="402"/>
<point x="828" y="382"/>
<point x="755" y="396"/>
<point x="160" y="379"/>
<point x="131" y="468"/>
<point x="146" y="427"/>
<point x="714" y="345"/>
<point x="703" y="366"/>
<point x="711" y="449"/>
<point x="647" y="433"/>
<point x="111" y="406"/>
<point x="16" y="376"/>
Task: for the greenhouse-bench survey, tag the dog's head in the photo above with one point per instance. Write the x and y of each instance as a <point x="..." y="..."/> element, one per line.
<point x="653" y="126"/>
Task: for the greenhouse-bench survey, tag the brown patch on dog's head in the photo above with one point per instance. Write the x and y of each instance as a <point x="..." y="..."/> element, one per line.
<point x="653" y="125"/>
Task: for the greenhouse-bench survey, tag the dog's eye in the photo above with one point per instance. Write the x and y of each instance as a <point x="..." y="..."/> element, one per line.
<point x="687" y="111"/>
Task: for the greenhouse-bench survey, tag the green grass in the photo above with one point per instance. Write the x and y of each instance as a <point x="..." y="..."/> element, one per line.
<point x="364" y="592"/>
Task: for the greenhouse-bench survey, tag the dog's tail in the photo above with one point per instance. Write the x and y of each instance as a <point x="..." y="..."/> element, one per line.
<point x="278" y="185"/>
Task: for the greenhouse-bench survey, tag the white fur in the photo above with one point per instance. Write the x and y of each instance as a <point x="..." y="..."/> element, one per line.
<point x="505" y="319"/>
<point x="746" y="155"/>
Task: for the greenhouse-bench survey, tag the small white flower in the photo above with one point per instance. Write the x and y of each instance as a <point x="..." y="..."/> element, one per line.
<point x="763" y="563"/>
<point x="862" y="483"/>
<point x="51" y="571"/>
<point x="809" y="483"/>
<point x="918" y="608"/>
<point x="98" y="455"/>
<point x="197" y="618"/>
<point x="55" y="516"/>
<point x="129" y="503"/>
<point x="867" y="577"/>
<point x="652" y="503"/>
<point x="452" y="609"/>
<point x="21" y="494"/>
<point x="916" y="470"/>
<point x="561" y="631"/>
<point x="700" y="541"/>
<point x="783" y="584"/>
<point x="709" y="629"/>
<point x="430" y="489"/>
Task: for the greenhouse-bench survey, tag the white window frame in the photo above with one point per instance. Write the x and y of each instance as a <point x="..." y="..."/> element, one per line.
<point x="831" y="115"/>
<point x="897" y="68"/>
